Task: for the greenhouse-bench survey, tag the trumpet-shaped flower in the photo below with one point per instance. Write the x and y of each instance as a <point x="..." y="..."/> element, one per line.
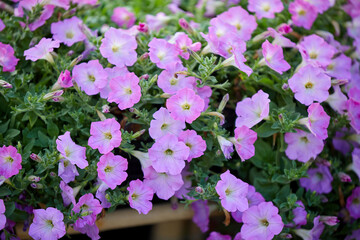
<point x="7" y="58"/>
<point x="123" y="18"/>
<point x="353" y="203"/>
<point x="140" y="196"/>
<point x="10" y="161"/>
<point x="194" y="142"/>
<point x="67" y="194"/>
<point x="317" y="121"/>
<point x="68" y="31"/>
<point x="67" y="171"/>
<point x="163" y="53"/>
<point x="112" y="73"/>
<point x="226" y="146"/>
<point x="111" y="169"/>
<point x="319" y="180"/>
<point x="163" y="124"/>
<point x="265" y="8"/>
<point x="340" y="67"/>
<point x="183" y="43"/>
<point x="303" y="14"/>
<point x="42" y="50"/>
<point x="337" y="100"/>
<point x="89" y="207"/>
<point x="274" y="57"/>
<point x="244" y="142"/>
<point x="201" y="214"/>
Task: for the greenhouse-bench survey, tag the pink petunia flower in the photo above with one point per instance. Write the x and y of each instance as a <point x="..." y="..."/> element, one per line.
<point x="91" y="77"/>
<point x="261" y="222"/>
<point x="226" y="146"/>
<point x="101" y="193"/>
<point x="319" y="180"/>
<point x="65" y="79"/>
<point x="170" y="81"/>
<point x="300" y="214"/>
<point x="303" y="13"/>
<point x="163" y="53"/>
<point x="125" y="90"/>
<point x="183" y="43"/>
<point x="163" y="124"/>
<point x="68" y="31"/>
<point x="310" y="84"/>
<point x="112" y="73"/>
<point x="71" y="151"/>
<point x="353" y="203"/>
<point x="340" y="67"/>
<point x="168" y="155"/>
<point x="111" y="169"/>
<point x="105" y="135"/>
<point x="2" y="25"/>
<point x="42" y="50"/>
<point x="237" y="59"/>
<point x="274" y="57"/>
<point x="265" y="8"/>
<point x="89" y="207"/>
<point x="337" y="100"/>
<point x="244" y="142"/>
<point x="92" y="231"/>
<point x="7" y="58"/>
<point x="67" y="194"/>
<point x="10" y="161"/>
<point x="67" y="171"/>
<point x="313" y="233"/>
<point x="2" y="215"/>
<point x="157" y="22"/>
<point x="185" y="105"/>
<point x="164" y="185"/>
<point x="251" y="111"/>
<point x="123" y="18"/>
<point x="47" y="224"/>
<point x="194" y="142"/>
<point x="352" y="8"/>
<point x="119" y="47"/>
<point x="317" y="121"/>
<point x="232" y="192"/>
<point x="320" y="5"/>
<point x="302" y="146"/>
<point x="85" y="2"/>
<point x="140" y="196"/>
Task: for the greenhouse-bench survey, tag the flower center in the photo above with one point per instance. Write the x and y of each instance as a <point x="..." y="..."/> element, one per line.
<point x="331" y="67"/>
<point x="266" y="7"/>
<point x="356" y="201"/>
<point x="313" y="55"/>
<point x="128" y="91"/>
<point x="69" y="35"/>
<point x="108" y="135"/>
<point x="9" y="159"/>
<point x="164" y="126"/>
<point x="189" y="145"/>
<point x="161" y="55"/>
<point x="319" y="175"/>
<point x="91" y="78"/>
<point x="228" y="192"/>
<point x="264" y="222"/>
<point x="186" y="106"/>
<point x="108" y="169"/>
<point x="67" y="153"/>
<point x="309" y="85"/>
<point x="115" y="48"/>
<point x="169" y="152"/>
<point x="50" y="223"/>
<point x="66" y="163"/>
<point x="173" y="81"/>
<point x="84" y="207"/>
<point x="304" y="139"/>
<point x="238" y="26"/>
<point x="302" y="12"/>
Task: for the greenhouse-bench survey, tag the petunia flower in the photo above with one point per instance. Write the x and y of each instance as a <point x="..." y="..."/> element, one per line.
<point x="85" y="2"/>
<point x="10" y="161"/>
<point x="168" y="155"/>
<point x="265" y="8"/>
<point x="105" y="135"/>
<point x="7" y="58"/>
<point x="68" y="31"/>
<point x="310" y="84"/>
<point x="201" y="214"/>
<point x="163" y="53"/>
<point x="140" y="196"/>
<point x="352" y="8"/>
<point x="71" y="151"/>
<point x="67" y="194"/>
<point x="2" y="25"/>
<point x="251" y="111"/>
<point x="340" y="67"/>
<point x="319" y="180"/>
<point x="337" y="100"/>
<point x="123" y="18"/>
<point x="163" y="124"/>
<point x="47" y="224"/>
<point x="89" y="207"/>
<point x="143" y="158"/>
<point x="185" y="105"/>
<point x="183" y="43"/>
<point x="67" y="171"/>
<point x="356" y="161"/>
<point x="353" y="203"/>
<point x="194" y="142"/>
<point x="274" y="57"/>
<point x="232" y="192"/>
<point x="90" y="76"/>
<point x="313" y="233"/>
<point x="92" y="231"/>
<point x="111" y="169"/>
<point x="261" y="222"/>
<point x="356" y="233"/>
<point x="317" y="121"/>
<point x="218" y="236"/>
<point x="353" y="108"/>
<point x="244" y="142"/>
<point x="226" y="146"/>
<point x="125" y="90"/>
<point x="119" y="47"/>
<point x="112" y="73"/>
<point x="65" y="79"/>
<point x="303" y="14"/>
<point x="42" y="50"/>
<point x="2" y="215"/>
<point x="157" y="22"/>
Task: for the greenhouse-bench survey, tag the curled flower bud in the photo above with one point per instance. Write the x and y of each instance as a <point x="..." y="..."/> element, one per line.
<point x="344" y="177"/>
<point x="199" y="190"/>
<point x="144" y="56"/>
<point x="33" y="178"/>
<point x="5" y="84"/>
<point x="223" y="102"/>
<point x="36" y="185"/>
<point x="52" y="174"/>
<point x="285" y="86"/>
<point x="145" y="77"/>
<point x="52" y="95"/>
<point x="143" y="27"/>
<point x="105" y="109"/>
<point x="76" y="61"/>
<point x="35" y="157"/>
<point x="329" y="220"/>
<point x="138" y="134"/>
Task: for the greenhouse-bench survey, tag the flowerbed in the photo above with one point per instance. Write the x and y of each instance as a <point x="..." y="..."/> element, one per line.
<point x="252" y="105"/>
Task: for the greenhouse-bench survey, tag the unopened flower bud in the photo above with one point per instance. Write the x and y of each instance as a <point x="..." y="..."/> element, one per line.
<point x="5" y="84"/>
<point x="223" y="103"/>
<point x="285" y="86"/>
<point x="58" y="99"/>
<point x="76" y="61"/>
<point x="52" y="174"/>
<point x="199" y="190"/>
<point x="165" y="95"/>
<point x="105" y="109"/>
<point x="329" y="220"/>
<point x="143" y="27"/>
<point x="33" y="178"/>
<point x="35" y="157"/>
<point x="145" y="77"/>
<point x="138" y="134"/>
<point x="344" y="177"/>
<point x="36" y="185"/>
<point x="52" y="95"/>
<point x="284" y="28"/>
<point x="335" y="82"/>
<point x="70" y="53"/>
<point x="144" y="56"/>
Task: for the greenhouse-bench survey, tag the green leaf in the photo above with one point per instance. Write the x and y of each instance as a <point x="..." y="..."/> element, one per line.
<point x="4" y="126"/>
<point x="32" y="119"/>
<point x="52" y="129"/>
<point x="10" y="208"/>
<point x="265" y="130"/>
<point x="4" y="191"/>
<point x="11" y="133"/>
<point x="18" y="216"/>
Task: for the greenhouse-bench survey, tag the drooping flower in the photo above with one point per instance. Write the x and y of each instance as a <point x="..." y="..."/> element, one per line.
<point x="119" y="47"/>
<point x="68" y="31"/>
<point x="317" y="121"/>
<point x="310" y="84"/>
<point x="218" y="236"/>
<point x="251" y="111"/>
<point x="2" y="215"/>
<point x="183" y="43"/>
<point x="319" y="180"/>
<point x="168" y="155"/>
<point x="265" y="8"/>
<point x="42" y="50"/>
<point x="90" y="76"/>
<point x="163" y="124"/>
<point x="89" y="207"/>
<point x="312" y="234"/>
<point x="71" y="151"/>
<point x="67" y="171"/>
<point x="125" y="90"/>
<point x="47" y="224"/>
<point x="10" y="161"/>
<point x="164" y="185"/>
<point x="274" y="57"/>
<point x="337" y="100"/>
<point x="140" y="196"/>
<point x="232" y="192"/>
<point x="353" y="203"/>
<point x="244" y="142"/>
<point x="163" y="53"/>
<point x="201" y="214"/>
<point x="123" y="18"/>
<point x="340" y="67"/>
<point x="111" y="169"/>
<point x="261" y="222"/>
<point x="226" y="146"/>
<point x="7" y="58"/>
<point x="65" y="79"/>
<point x="67" y="194"/>
<point x="303" y="13"/>
<point x="105" y="135"/>
<point x="194" y="142"/>
<point x="185" y="105"/>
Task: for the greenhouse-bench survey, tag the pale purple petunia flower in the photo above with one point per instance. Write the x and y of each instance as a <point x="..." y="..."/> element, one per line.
<point x="337" y="100"/>
<point x="164" y="185"/>
<point x="226" y="146"/>
<point x="2" y="25"/>
<point x="319" y="180"/>
<point x="353" y="28"/>
<point x="314" y="233"/>
<point x="340" y="67"/>
<point x="303" y="13"/>
<point x="10" y="161"/>
<point x="68" y="31"/>
<point x="89" y="207"/>
<point x="2" y="215"/>
<point x="356" y="161"/>
<point x="320" y="5"/>
<point x="90" y="76"/>
<point x="67" y="194"/>
<point x="244" y="142"/>
<point x="274" y="57"/>
<point x="163" y="124"/>
<point x="205" y="93"/>
<point x="218" y="236"/>
<point x="352" y="8"/>
<point x="125" y="90"/>
<point x="353" y="203"/>
<point x="101" y="193"/>
<point x="201" y="214"/>
<point x="71" y="151"/>
<point x="91" y="230"/>
<point x="112" y="73"/>
<point x="143" y="158"/>
<point x="7" y="58"/>
<point x="302" y="146"/>
<point x="251" y="111"/>
<point x="168" y="155"/>
<point x="182" y="193"/>
<point x="183" y="43"/>
<point x="105" y="135"/>
<point x="163" y="53"/>
<point x="65" y="79"/>
<point x="237" y="60"/>
<point x="185" y="105"/>
<point x="123" y="18"/>
<point x="265" y="8"/>
<point x="196" y="143"/>
<point x="111" y="169"/>
<point x="299" y="214"/>
<point x="310" y="84"/>
<point x="232" y="192"/>
<point x="140" y="196"/>
<point x="261" y="222"/>
<point x="47" y="224"/>
<point x="67" y="171"/>
<point x="157" y="22"/>
<point x="317" y="121"/>
<point x="119" y="47"/>
<point x="42" y="50"/>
